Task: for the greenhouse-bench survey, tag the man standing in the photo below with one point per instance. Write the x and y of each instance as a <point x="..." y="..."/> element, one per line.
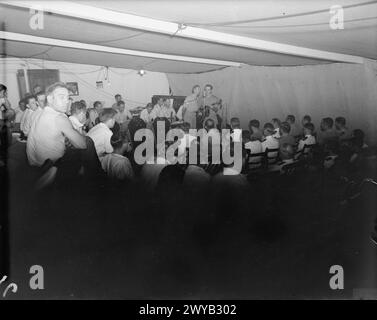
<point x="191" y="106"/>
<point x="212" y="106"/>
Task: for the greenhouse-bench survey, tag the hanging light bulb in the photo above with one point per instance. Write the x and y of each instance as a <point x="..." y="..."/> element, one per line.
<point x="107" y="76"/>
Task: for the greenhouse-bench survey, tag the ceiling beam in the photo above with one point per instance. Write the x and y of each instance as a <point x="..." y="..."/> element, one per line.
<point x="87" y="12"/>
<point x="93" y="47"/>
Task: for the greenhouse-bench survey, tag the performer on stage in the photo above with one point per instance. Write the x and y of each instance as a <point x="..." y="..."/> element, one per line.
<point x="191" y="107"/>
<point x="167" y="110"/>
<point x="212" y="106"/>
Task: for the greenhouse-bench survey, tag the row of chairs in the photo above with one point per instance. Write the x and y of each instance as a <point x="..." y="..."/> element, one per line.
<point x="257" y="162"/>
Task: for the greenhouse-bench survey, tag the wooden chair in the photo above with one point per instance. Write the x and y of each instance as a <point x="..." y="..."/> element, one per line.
<point x="272" y="156"/>
<point x="255" y="161"/>
<point x="306" y="152"/>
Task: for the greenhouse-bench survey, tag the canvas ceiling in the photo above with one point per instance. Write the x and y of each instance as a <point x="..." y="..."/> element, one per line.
<point x="299" y="23"/>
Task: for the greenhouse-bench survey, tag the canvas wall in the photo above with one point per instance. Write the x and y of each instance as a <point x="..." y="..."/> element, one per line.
<point x="136" y="90"/>
<point x="263" y="93"/>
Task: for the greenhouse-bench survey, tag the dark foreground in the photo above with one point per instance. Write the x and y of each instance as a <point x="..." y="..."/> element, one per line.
<point x="111" y="242"/>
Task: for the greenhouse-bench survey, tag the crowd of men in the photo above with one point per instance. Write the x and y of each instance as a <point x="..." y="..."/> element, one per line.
<point x="66" y="139"/>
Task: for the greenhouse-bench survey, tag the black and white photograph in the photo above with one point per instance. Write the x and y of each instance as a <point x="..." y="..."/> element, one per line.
<point x="188" y="155"/>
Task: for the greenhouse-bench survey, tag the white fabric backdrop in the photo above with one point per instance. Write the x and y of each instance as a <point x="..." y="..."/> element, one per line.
<point x="263" y="93"/>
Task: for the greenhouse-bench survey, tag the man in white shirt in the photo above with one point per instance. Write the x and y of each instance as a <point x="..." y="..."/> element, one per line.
<point x="157" y="107"/>
<point x="51" y="128"/>
<point x="93" y="114"/>
<point x="147" y="114"/>
<point x="78" y="117"/>
<point x="29" y="115"/>
<point x="101" y="133"/>
<point x="19" y="114"/>
<point x="115" y="164"/>
<point x="254" y="146"/>
<point x="270" y="142"/>
<point x="167" y="111"/>
<point x="308" y="139"/>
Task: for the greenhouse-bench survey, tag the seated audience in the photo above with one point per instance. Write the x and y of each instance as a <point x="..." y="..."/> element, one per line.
<point x="341" y="130"/>
<point x="254" y="145"/>
<point x="160" y="123"/>
<point x="327" y="131"/>
<point x="123" y="113"/>
<point x="117" y="166"/>
<point x="308" y="139"/>
<point x="255" y="131"/>
<point x="295" y="129"/>
<point x="19" y="114"/>
<point x="31" y="111"/>
<point x="93" y="114"/>
<point x="36" y="89"/>
<point x="157" y="107"/>
<point x="167" y="110"/>
<point x="101" y="133"/>
<point x="331" y="150"/>
<point x="213" y="133"/>
<point x="357" y="139"/>
<point x="49" y="133"/>
<point x="235" y="123"/>
<point x="245" y="137"/>
<point x="186" y="140"/>
<point x="286" y="156"/>
<point x="276" y="123"/>
<point x="147" y="114"/>
<point x="118" y="98"/>
<point x="270" y="142"/>
<point x="41" y="99"/>
<point x="84" y="103"/>
<point x="134" y="125"/>
<point x="306" y="119"/>
<point x="236" y="130"/>
<point x="78" y="117"/>
<point x="285" y="136"/>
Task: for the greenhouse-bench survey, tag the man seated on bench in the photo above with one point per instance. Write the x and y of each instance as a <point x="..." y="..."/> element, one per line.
<point x="51" y="133"/>
<point x="308" y="139"/>
<point x="286" y="156"/>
